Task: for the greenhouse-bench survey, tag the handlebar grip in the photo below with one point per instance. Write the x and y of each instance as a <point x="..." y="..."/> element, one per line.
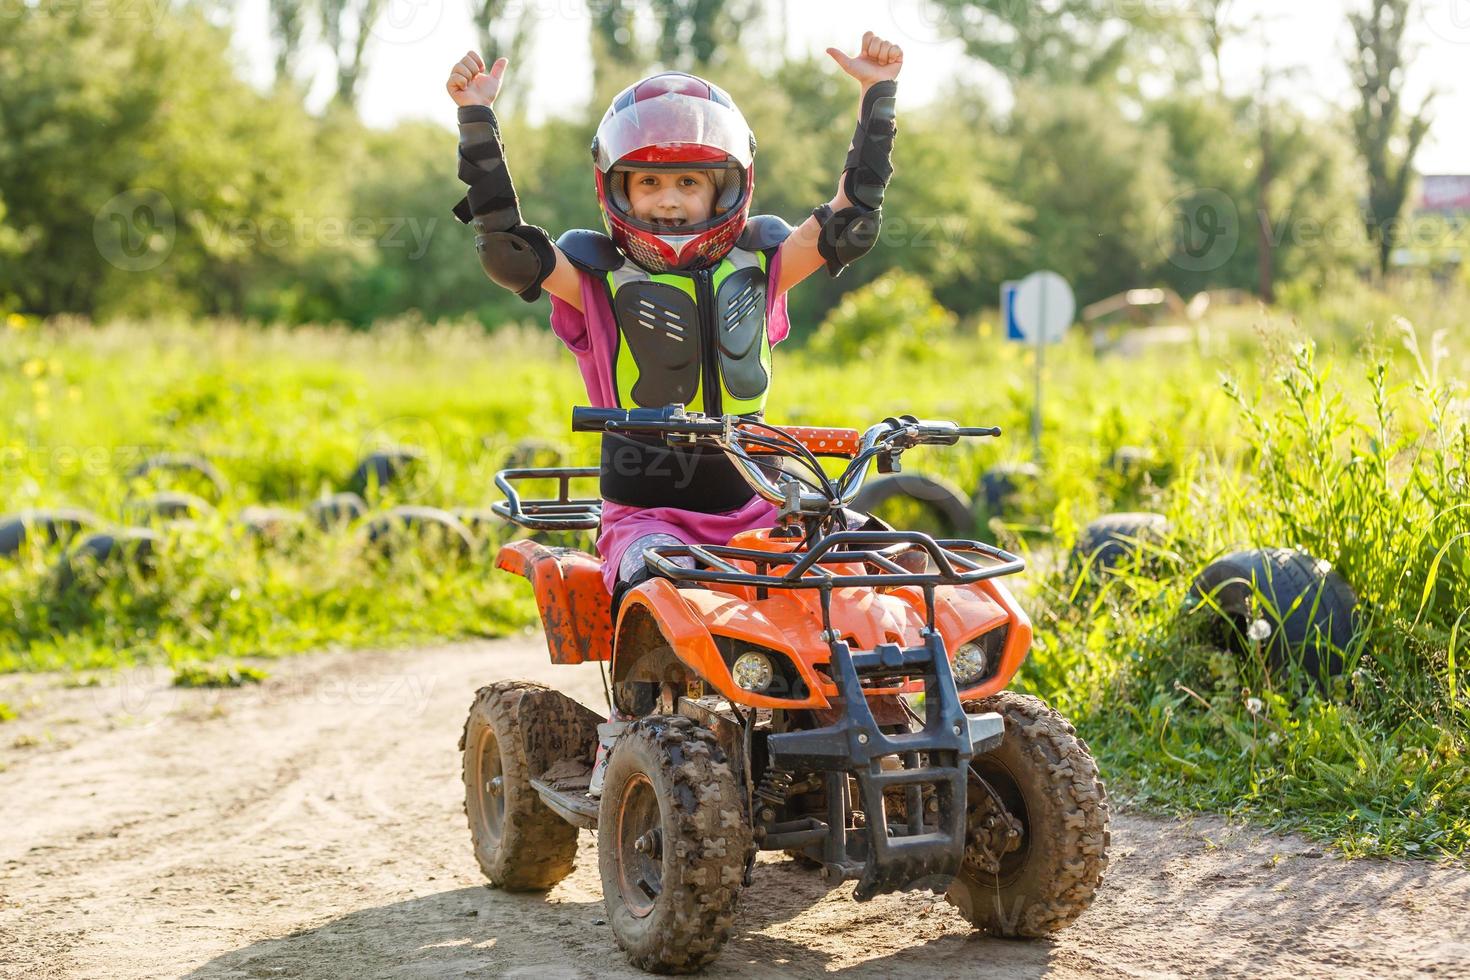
<point x="587" y="419"/>
<point x="979" y="430"/>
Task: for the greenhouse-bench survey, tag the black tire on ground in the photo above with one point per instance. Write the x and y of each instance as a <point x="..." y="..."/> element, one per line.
<point x="1047" y="779"/>
<point x="1310" y="608"/>
<point x="336" y="509"/>
<point x="1111" y="540"/>
<point x="379" y="469"/>
<point x="671" y="845"/>
<point x="1002" y="485"/>
<point x="49" y="526"/>
<point x="200" y="471"/>
<point x="534" y="452"/>
<point x="946" y="511"/>
<point x="134" y="546"/>
<point x="515" y="732"/>
<point x="166" y="505"/>
<point x="425" y="523"/>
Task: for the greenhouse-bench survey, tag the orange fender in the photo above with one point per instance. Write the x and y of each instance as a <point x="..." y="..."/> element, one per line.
<point x="576" y="608"/>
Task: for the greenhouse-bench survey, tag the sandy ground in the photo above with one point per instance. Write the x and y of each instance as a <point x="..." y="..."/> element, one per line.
<point x="311" y="827"/>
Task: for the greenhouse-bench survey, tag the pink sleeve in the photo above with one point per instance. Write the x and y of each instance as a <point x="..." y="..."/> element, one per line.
<point x="591" y="336"/>
<point x="570" y="324"/>
<point x="777" y="323"/>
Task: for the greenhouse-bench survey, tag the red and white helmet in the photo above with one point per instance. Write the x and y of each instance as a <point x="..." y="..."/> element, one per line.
<point x="676" y="121"/>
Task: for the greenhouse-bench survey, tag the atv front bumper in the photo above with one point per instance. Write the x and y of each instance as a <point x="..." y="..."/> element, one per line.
<point x="926" y="849"/>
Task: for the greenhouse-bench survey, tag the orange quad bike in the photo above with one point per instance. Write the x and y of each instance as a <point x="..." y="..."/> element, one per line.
<point x="828" y="687"/>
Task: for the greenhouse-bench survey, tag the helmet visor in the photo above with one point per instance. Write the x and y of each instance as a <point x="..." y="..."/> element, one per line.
<point x="677" y="128"/>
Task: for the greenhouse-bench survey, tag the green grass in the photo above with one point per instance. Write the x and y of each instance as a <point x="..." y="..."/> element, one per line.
<point x="208" y="675"/>
<point x="1341" y="432"/>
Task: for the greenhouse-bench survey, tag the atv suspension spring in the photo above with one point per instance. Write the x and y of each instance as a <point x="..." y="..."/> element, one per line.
<point x="774" y="787"/>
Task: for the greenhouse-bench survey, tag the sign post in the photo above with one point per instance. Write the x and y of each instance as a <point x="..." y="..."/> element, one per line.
<point x="1042" y="308"/>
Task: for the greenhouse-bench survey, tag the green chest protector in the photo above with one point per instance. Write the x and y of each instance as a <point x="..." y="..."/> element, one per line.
<point x="698" y="339"/>
<point x="692" y="338"/>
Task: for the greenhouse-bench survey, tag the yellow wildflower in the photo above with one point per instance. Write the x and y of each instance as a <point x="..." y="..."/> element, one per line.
<point x="33" y="368"/>
<point x="15" y="321"/>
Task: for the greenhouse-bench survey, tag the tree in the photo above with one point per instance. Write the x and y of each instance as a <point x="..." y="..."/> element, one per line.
<point x="1309" y="219"/>
<point x="1216" y="27"/>
<point x="287" y="23"/>
<point x="615" y="48"/>
<point x="692" y="31"/>
<point x="1077" y="42"/>
<point x="1386" y="140"/>
<point x="347" y="47"/>
<point x="128" y="188"/>
<point x="1096" y="184"/>
<point x="503" y="36"/>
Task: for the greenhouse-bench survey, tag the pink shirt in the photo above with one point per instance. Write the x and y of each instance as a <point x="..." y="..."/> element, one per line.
<point x="593" y="338"/>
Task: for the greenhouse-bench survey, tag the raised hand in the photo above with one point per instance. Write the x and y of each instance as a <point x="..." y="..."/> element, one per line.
<point x="877" y="60"/>
<point x="470" y="84"/>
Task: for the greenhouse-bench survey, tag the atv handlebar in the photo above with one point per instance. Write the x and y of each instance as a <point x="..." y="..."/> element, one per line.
<point x="672" y="420"/>
<point x="739" y="436"/>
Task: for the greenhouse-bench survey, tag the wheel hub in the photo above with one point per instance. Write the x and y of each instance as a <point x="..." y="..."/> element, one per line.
<point x="640" y="849"/>
<point x="993" y="831"/>
<point x="492" y="800"/>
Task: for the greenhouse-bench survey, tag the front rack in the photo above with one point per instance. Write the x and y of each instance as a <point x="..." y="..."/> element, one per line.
<point x="806" y="569"/>
<point x="565" y="513"/>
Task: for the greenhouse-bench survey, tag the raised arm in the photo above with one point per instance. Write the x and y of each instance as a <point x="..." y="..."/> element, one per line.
<point x="847" y="226"/>
<point x="515" y="255"/>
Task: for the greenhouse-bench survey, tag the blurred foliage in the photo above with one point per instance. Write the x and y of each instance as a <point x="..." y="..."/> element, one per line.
<point x="862" y="325"/>
<point x="1066" y="42"/>
<point x="161" y="182"/>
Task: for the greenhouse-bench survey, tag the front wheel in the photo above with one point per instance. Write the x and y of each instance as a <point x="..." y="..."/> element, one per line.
<point x="671" y="844"/>
<point x="1037" y="829"/>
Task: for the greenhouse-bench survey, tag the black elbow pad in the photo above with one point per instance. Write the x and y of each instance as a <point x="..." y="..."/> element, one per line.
<point x="846" y="235"/>
<point x="518" y="258"/>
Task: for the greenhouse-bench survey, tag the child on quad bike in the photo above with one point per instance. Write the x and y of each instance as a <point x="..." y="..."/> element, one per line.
<point x="684" y="298"/>
<point x="780" y="680"/>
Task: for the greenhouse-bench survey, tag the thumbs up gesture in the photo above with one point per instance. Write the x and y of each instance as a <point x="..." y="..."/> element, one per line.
<point x="877" y="60"/>
<point x="470" y="84"/>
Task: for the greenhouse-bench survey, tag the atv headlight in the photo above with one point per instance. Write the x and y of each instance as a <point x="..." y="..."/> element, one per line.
<point x="970" y="664"/>
<point x="752" y="671"/>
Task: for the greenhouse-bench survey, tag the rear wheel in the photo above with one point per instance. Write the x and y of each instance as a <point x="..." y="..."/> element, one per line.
<point x="1038" y="835"/>
<point x="671" y="845"/>
<point x="515" y="731"/>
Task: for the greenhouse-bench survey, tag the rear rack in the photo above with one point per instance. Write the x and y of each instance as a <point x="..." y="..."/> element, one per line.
<point x="806" y="569"/>
<point x="565" y="513"/>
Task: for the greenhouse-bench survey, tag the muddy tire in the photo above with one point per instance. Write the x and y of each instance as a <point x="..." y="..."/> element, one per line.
<point x="515" y="731"/>
<point x="671" y="845"/>
<point x="1048" y="781"/>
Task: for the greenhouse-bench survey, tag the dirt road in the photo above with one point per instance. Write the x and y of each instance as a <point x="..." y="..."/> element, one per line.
<point x="311" y="827"/>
